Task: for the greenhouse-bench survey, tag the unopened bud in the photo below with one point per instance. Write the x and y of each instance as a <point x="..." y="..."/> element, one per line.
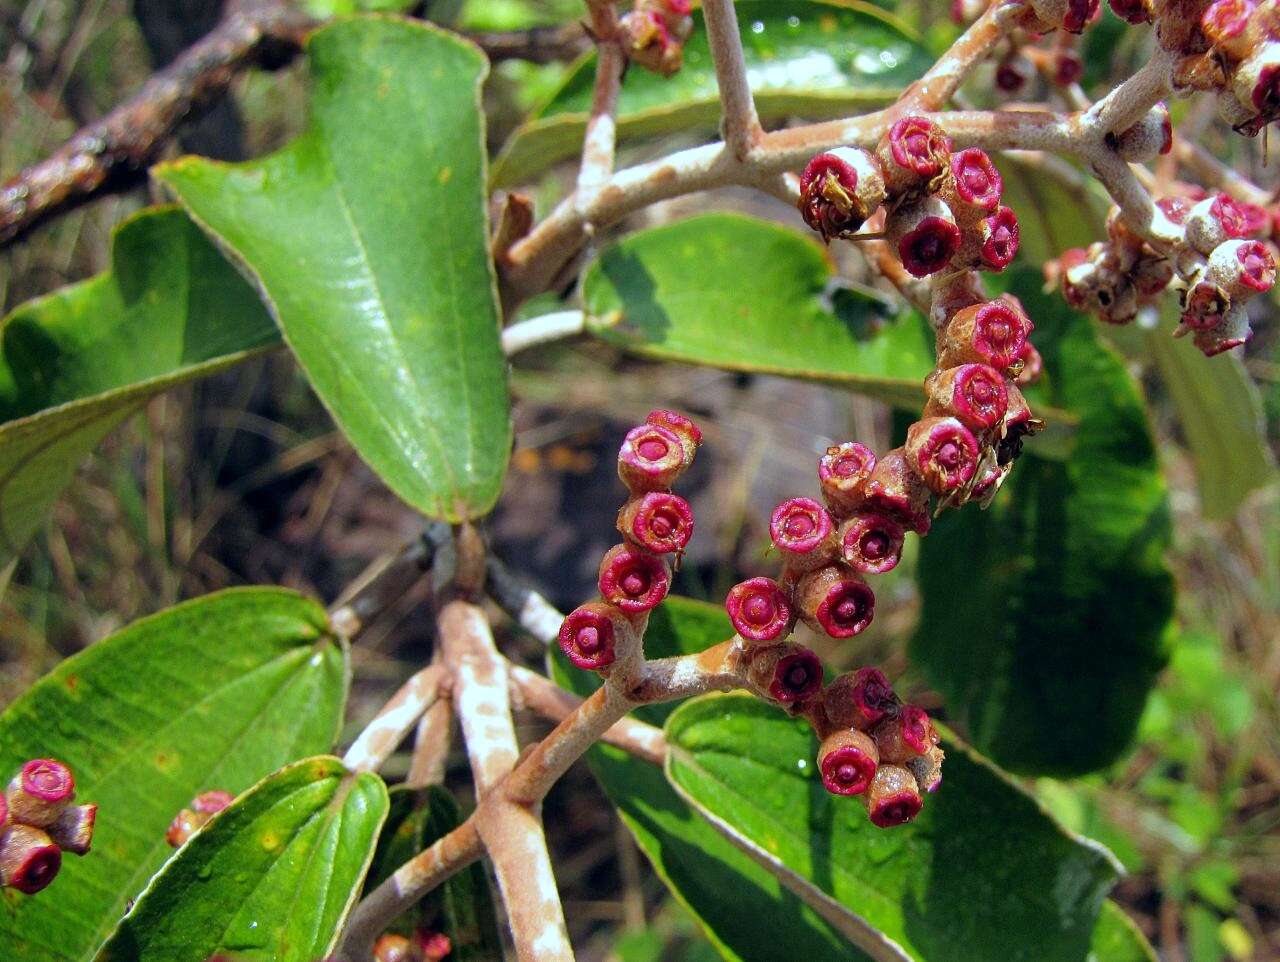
<point x="843" y="472"/>
<point x="835" y="601"/>
<point x="893" y="797"/>
<point x="760" y="610"/>
<point x="839" y="190"/>
<point x="847" y="761"/>
<point x="859" y="699"/>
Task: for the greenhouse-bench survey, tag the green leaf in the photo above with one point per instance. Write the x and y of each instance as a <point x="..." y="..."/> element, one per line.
<point x="1220" y="413"/>
<point x="815" y="60"/>
<point x="271" y="878"/>
<point x="1043" y="618"/>
<point x="1117" y="939"/>
<point x="368" y="237"/>
<point x="735" y="292"/>
<point x="211" y="694"/>
<point x="462" y="907"/>
<point x="1058" y="206"/>
<point x="981" y="867"/>
<point x="77" y="362"/>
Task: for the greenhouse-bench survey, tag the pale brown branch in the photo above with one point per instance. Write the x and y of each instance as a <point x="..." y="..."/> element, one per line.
<point x="431" y="743"/>
<point x="739" y="120"/>
<point x="380" y="737"/>
<point x="113" y="153"/>
<point x="599" y="140"/>
<point x="536" y="45"/>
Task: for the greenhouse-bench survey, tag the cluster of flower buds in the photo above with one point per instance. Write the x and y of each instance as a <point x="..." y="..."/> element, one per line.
<point x="943" y="208"/>
<point x="190" y="820"/>
<point x="654" y="34"/>
<point x="425" y="945"/>
<point x="1225" y="262"/>
<point x="38" y="822"/>
<point x="1242" y="60"/>
<point x="1059" y="62"/>
<point x="634" y="575"/>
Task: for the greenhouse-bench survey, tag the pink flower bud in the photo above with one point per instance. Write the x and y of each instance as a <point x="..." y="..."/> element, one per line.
<point x="847" y="761"/>
<point x="904" y="735"/>
<point x="925" y="235"/>
<point x="943" y="451"/>
<point x="789" y="674"/>
<point x="658" y="521"/>
<point x="1257" y="221"/>
<point x="843" y="471"/>
<point x="927" y="769"/>
<point x="973" y="394"/>
<point x="1079" y="14"/>
<point x="1032" y="367"/>
<point x="896" y="490"/>
<point x="38" y="794"/>
<point x="651" y="458"/>
<point x="391" y="947"/>
<point x="29" y="860"/>
<point x="1013" y="73"/>
<point x="802" y="530"/>
<point x="759" y="610"/>
<point x="999" y="235"/>
<point x="975" y="180"/>
<point x="588" y="637"/>
<point x="871" y="543"/>
<point x="211" y="803"/>
<point x="73" y="831"/>
<point x="1149" y="137"/>
<point x="992" y="333"/>
<point x="679" y="425"/>
<point x="1231" y="332"/>
<point x="1224" y="22"/>
<point x="859" y="699"/>
<point x="835" y="601"/>
<point x="917" y="151"/>
<point x="434" y="946"/>
<point x="632" y="580"/>
<point x="1132" y="11"/>
<point x="893" y="797"/>
<point x="839" y="190"/>
<point x="1214" y="220"/>
<point x="1242" y="268"/>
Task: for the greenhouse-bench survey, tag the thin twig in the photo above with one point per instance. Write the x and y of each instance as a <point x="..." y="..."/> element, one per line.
<point x="113" y="153"/>
<point x="380" y="737"/>
<point x="542" y="330"/>
<point x="739" y="120"/>
<point x="530" y="610"/>
<point x="536" y="45"/>
<point x="386" y="581"/>
<point x="599" y="140"/>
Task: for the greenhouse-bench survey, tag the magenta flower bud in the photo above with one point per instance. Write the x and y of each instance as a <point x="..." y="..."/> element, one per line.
<point x="943" y="451"/>
<point x="1224" y="22"/>
<point x="842" y="473"/>
<point x="975" y="180"/>
<point x="434" y="946"/>
<point x="915" y="150"/>
<point x="896" y="490"/>
<point x="1132" y="11"/>
<point x="1233" y="331"/>
<point x="835" y="601"/>
<point x="1148" y="138"/>
<point x="992" y="333"/>
<point x="1214" y="220"/>
<point x="802" y="530"/>
<point x="658" y="521"/>
<point x="681" y="8"/>
<point x="632" y="580"/>
<point x="847" y="761"/>
<point x="927" y="769"/>
<point x="925" y="235"/>
<point x="588" y="638"/>
<point x="973" y="394"/>
<point x="391" y="947"/>
<point x="39" y="793"/>
<point x="904" y="735"/>
<point x="29" y="860"/>
<point x="1013" y="73"/>
<point x="859" y="699"/>
<point x="73" y="831"/>
<point x="211" y="803"/>
<point x="839" y="190"/>
<point x="679" y="425"/>
<point x="1031" y="367"/>
<point x="1067" y="67"/>
<point x="893" y="797"/>
<point x="789" y="674"/>
<point x="759" y="610"/>
<point x="999" y="235"/>
<point x="651" y="458"/>
<point x="1241" y="268"/>
<point x="871" y="543"/>
<point x="1079" y="14"/>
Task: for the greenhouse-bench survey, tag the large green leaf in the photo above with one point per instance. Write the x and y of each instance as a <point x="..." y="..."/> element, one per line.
<point x="270" y="879"/>
<point x="1117" y="939"/>
<point x="77" y="362"/>
<point x="808" y="59"/>
<point x="739" y="293"/>
<point x="700" y="866"/>
<point x="462" y="907"/>
<point x="1043" y="618"/>
<point x="981" y="869"/>
<point x="367" y="236"/>
<point x="212" y="694"/>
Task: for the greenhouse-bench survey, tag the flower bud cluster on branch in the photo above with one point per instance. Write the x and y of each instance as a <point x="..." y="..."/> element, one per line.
<point x="38" y="822"/>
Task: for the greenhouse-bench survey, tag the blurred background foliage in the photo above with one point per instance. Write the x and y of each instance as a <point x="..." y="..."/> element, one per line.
<point x="242" y="479"/>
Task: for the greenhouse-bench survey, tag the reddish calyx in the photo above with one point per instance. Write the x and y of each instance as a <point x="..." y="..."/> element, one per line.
<point x="797" y="677"/>
<point x="918" y="145"/>
<point x="29" y="859"/>
<point x="801" y="529"/>
<point x="587" y="637"/>
<point x="977" y="182"/>
<point x="829" y="198"/>
<point x="899" y="808"/>
<point x="759" y="610"/>
<point x="974" y="394"/>
<point x="47" y="780"/>
<point x="859" y="699"/>
<point x="651" y="458"/>
<point x="993" y="333"/>
<point x="896" y="490"/>
<point x="659" y="521"/>
<point x="846" y="607"/>
<point x="847" y="762"/>
<point x="1257" y="268"/>
<point x="929" y="246"/>
<point x="1234" y="220"/>
<point x="944" y="452"/>
<point x="679" y="425"/>
<point x="871" y="542"/>
<point x="633" y="580"/>
<point x="1000" y="236"/>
